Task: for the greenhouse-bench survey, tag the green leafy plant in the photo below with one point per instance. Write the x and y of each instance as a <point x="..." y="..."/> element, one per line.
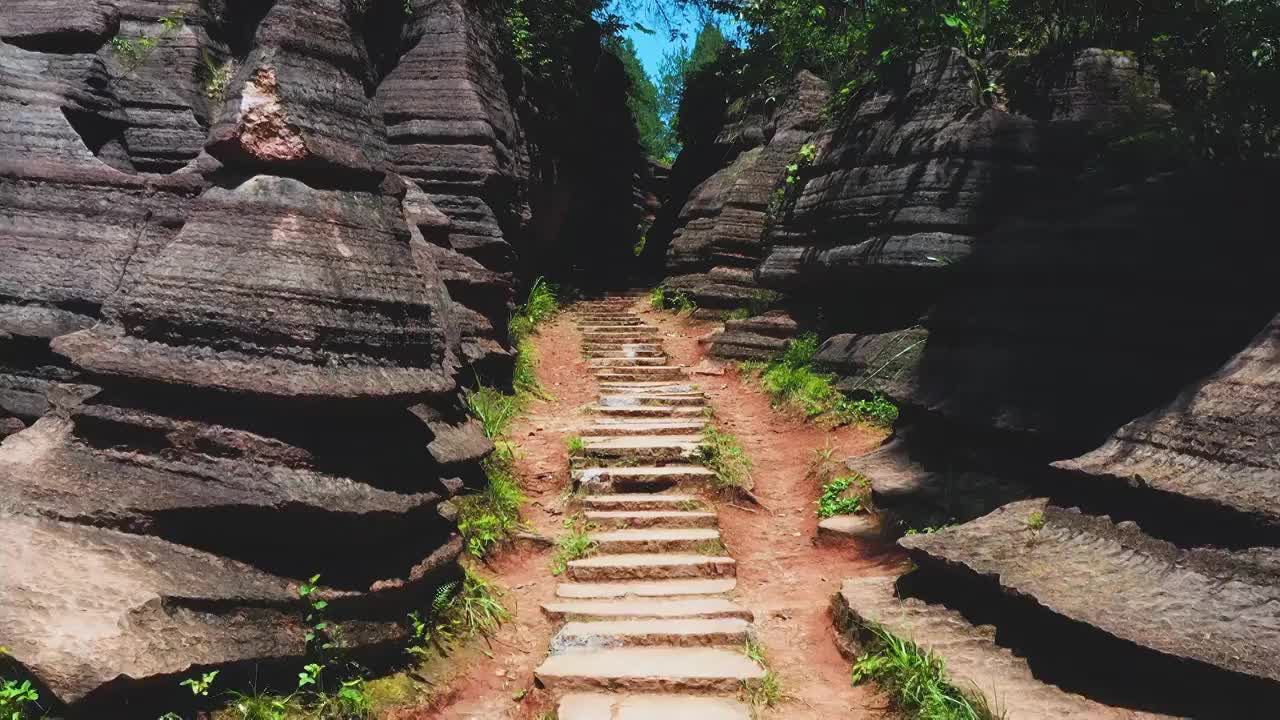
<point x="216" y="76"/>
<point x="574" y="544"/>
<point x="658" y="298"/>
<point x="133" y="52"/>
<point x="488" y="518"/>
<point x="915" y="680"/>
<point x="721" y="453"/>
<point x="738" y="314"/>
<point x="200" y="685"/>
<point x="1035" y="520"/>
<point x="834" y="499"/>
<point x="18" y="700"/>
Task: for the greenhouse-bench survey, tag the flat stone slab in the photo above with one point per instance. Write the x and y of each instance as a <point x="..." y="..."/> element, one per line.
<point x="644" y="427"/>
<point x="1213" y="606"/>
<point x="640" y="373"/>
<point x="973" y="661"/>
<point x="639" y="501"/>
<point x="638" y="400"/>
<point x="1216" y="443"/>
<point x="646" y="588"/>
<point x="649" y="669"/>
<point x="628" y="362"/>
<point x="679" y="632"/>
<point x="860" y="527"/>
<point x="638" y="351"/>
<point x="653" y="448"/>
<point x="644" y="473"/>
<point x="599" y="706"/>
<point x="647" y="411"/>
<point x="653" y="540"/>
<point x="646" y="608"/>
<point x="650" y="566"/>
<point x="651" y="519"/>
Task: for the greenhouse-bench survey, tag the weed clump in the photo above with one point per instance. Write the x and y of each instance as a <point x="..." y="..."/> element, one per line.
<point x="721" y="453"/>
<point x="575" y="544"/>
<point x="916" y="680"/>
<point x="834" y="499"/>
<point x="792" y="383"/>
<point x="766" y="691"/>
<point x="678" y="301"/>
<point x="18" y="700"/>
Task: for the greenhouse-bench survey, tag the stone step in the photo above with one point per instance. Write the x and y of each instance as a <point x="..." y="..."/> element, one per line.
<point x="643" y="478"/>
<point x="648" y="449"/>
<point x="647" y="566"/>
<point x="613" y="427"/>
<point x="654" y="351"/>
<point x="589" y="347"/>
<point x="631" y="336"/>
<point x="646" y="588"/>
<point x="657" y="372"/>
<point x="659" y="540"/>
<point x="636" y="519"/>
<point x="639" y="501"/>
<point x="688" y="400"/>
<point x="647" y="669"/>
<point x="609" y="319"/>
<point x="627" y="386"/>
<point x="1210" y="606"/>
<point x="648" y="411"/>
<point x="614" y="706"/>
<point x="619" y="329"/>
<point x="627" y="362"/>
<point x="648" y="608"/>
<point x="676" y="632"/>
<point x="972" y="659"/>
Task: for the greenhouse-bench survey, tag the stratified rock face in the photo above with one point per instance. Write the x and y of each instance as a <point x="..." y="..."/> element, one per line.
<point x="1216" y="443"/>
<point x="274" y="357"/>
<point x="763" y="337"/>
<point x="453" y="133"/>
<point x="719" y="238"/>
<point x="53" y="26"/>
<point x="276" y="288"/>
<point x="1214" y="607"/>
<point x="300" y="100"/>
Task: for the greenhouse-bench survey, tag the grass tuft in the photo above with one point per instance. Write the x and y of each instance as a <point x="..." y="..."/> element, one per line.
<point x="1035" y="520"/>
<point x="575" y="544"/>
<point x="792" y="383"/>
<point x="723" y="454"/>
<point x="835" y="501"/>
<point x="916" y="680"/>
<point x="767" y="691"/>
<point x="678" y="301"/>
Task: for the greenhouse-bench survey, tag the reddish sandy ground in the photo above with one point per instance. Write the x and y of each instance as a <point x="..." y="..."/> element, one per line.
<point x="782" y="576"/>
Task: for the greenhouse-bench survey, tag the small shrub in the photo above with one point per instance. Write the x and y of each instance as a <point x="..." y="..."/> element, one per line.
<point x="916" y="680"/>
<point x="216" y="76"/>
<point x="682" y="304"/>
<point x="18" y="700"/>
<point x="1035" y="520"/>
<point x="658" y="298"/>
<point x="724" y="456"/>
<point x="834" y="501"/>
<point x="576" y="543"/>
<point x="133" y="52"/>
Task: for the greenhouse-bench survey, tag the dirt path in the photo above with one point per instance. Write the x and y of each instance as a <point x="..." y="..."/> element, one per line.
<point x="782" y="577"/>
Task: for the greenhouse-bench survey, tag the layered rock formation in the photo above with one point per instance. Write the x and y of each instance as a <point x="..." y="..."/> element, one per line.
<point x="1031" y="282"/>
<point x="251" y="254"/>
<point x="718" y="238"/>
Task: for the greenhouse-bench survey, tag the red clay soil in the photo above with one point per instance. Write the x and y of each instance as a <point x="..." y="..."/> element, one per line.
<point x="782" y="576"/>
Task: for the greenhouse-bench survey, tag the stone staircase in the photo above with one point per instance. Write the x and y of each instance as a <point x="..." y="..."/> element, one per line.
<point x="649" y="630"/>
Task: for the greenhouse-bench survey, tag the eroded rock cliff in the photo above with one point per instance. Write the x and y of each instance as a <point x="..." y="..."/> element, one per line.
<point x="252" y="254"/>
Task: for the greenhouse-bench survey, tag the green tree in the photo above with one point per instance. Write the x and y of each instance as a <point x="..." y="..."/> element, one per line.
<point x="677" y="65"/>
<point x="642" y="99"/>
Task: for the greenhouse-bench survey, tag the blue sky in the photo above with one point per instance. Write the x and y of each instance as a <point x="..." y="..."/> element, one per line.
<point x="651" y="48"/>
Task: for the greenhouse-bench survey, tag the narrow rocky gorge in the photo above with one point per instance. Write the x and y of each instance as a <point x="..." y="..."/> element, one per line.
<point x="649" y="628"/>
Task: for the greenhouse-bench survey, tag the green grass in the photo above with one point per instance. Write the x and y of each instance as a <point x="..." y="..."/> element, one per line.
<point x="723" y="454"/>
<point x="486" y="519"/>
<point x="835" y="500"/>
<point x="575" y="445"/>
<point x="767" y="691"/>
<point x="1035" y="520"/>
<point x="739" y="314"/>
<point x="575" y="544"/>
<point x="792" y="383"/>
<point x="678" y="301"/>
<point x="916" y="680"/>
